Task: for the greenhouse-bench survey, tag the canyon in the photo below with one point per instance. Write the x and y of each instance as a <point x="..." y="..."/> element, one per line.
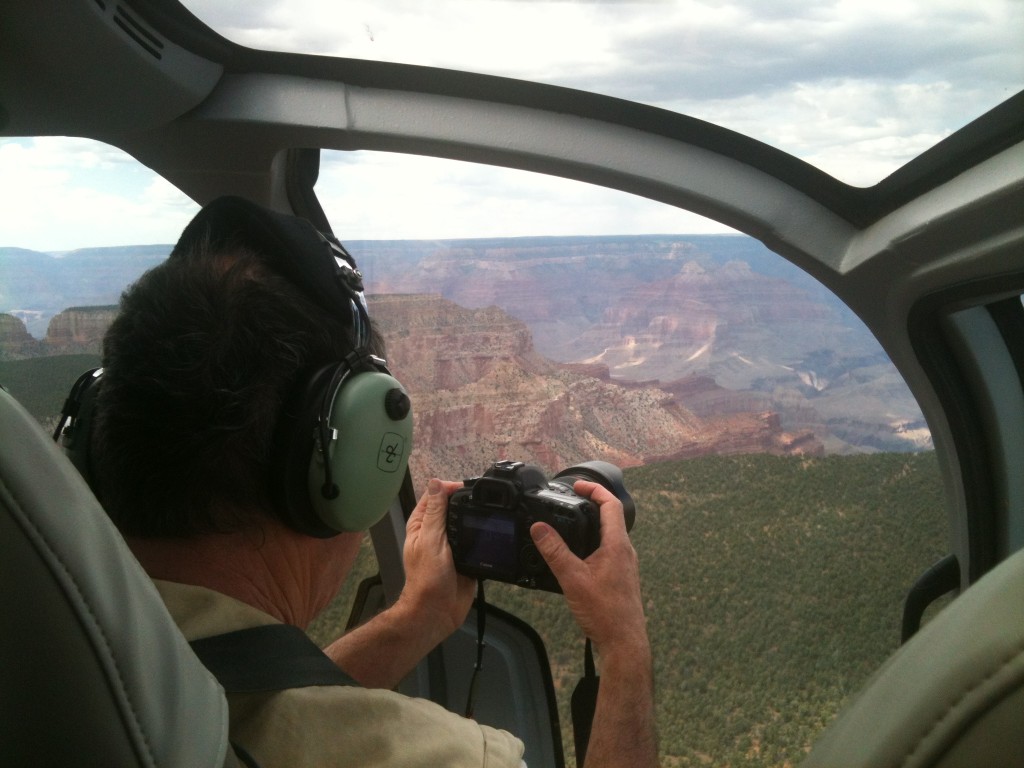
<point x="720" y="321"/>
<point x="481" y="393"/>
<point x="561" y="349"/>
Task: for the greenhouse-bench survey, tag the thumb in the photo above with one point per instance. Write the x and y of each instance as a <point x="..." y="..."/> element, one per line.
<point x="437" y="500"/>
<point x="428" y="506"/>
<point x="434" y="487"/>
<point x="551" y="547"/>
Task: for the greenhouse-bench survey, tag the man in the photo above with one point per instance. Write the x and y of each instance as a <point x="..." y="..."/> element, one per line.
<point x="199" y="368"/>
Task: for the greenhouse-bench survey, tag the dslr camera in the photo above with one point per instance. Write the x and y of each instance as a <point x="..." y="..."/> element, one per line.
<point x="489" y="519"/>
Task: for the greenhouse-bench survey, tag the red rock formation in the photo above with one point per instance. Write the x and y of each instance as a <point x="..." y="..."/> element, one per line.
<point x="15" y="340"/>
<point x="481" y="393"/>
<point x="79" y="329"/>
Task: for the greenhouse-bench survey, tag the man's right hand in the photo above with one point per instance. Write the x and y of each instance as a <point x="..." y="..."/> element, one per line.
<point x="602" y="591"/>
<point x="603" y="594"/>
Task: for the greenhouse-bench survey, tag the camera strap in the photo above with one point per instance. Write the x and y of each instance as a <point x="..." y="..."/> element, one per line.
<point x="584" y="697"/>
<point x="584" y="703"/>
<point x="481" y="627"/>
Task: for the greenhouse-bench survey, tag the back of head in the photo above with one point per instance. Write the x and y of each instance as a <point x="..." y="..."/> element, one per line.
<point x="206" y="349"/>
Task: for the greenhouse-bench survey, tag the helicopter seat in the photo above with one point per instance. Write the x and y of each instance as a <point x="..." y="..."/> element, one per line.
<point x="95" y="672"/>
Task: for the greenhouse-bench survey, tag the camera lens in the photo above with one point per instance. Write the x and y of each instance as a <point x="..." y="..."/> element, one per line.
<point x="608" y="475"/>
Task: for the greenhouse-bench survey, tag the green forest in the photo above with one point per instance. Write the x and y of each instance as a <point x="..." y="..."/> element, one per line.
<point x="40" y="384"/>
<point x="774" y="587"/>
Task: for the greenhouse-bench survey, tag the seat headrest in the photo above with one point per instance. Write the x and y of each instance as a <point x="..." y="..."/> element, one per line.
<point x="95" y="670"/>
<point x="952" y="696"/>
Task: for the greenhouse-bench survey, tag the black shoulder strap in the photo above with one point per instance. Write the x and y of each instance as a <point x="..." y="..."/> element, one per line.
<point x="268" y="658"/>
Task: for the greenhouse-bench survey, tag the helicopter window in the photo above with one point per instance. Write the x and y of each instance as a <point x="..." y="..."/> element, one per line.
<point x="787" y="494"/>
<point x="866" y="88"/>
<point x="777" y="537"/>
<point x="782" y="512"/>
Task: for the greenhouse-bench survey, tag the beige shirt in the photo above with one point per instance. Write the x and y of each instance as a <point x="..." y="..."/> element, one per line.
<point x="336" y="725"/>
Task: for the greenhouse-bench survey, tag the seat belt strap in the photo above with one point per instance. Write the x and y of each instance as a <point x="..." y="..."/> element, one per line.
<point x="273" y="657"/>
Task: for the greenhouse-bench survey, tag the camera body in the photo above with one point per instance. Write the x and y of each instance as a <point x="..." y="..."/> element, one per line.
<point x="489" y="520"/>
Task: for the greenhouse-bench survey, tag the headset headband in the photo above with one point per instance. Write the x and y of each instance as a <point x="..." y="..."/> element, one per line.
<point x="333" y="282"/>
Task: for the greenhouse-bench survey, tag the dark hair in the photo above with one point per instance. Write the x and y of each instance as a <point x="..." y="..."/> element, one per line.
<point x="197" y="365"/>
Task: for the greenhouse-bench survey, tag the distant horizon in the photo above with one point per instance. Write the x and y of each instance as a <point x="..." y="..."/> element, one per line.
<point x="62" y="253"/>
<point x="41" y="284"/>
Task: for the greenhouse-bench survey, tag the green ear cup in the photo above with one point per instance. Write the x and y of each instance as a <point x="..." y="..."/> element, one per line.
<point x="368" y="455"/>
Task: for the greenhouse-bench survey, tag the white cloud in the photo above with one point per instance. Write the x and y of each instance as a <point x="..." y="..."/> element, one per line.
<point x="385" y="196"/>
<point x="64" y="193"/>
<point x="856" y="130"/>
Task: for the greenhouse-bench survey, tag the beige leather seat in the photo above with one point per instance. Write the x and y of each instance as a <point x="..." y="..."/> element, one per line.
<point x="94" y="672"/>
<point x="953" y="696"/>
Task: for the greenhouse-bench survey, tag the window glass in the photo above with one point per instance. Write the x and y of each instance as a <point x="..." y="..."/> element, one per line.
<point x="985" y="339"/>
<point x="787" y="494"/>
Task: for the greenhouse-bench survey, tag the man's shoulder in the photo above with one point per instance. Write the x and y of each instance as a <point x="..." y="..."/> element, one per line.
<point x="330" y="724"/>
<point x="365" y="727"/>
<point x="201" y="612"/>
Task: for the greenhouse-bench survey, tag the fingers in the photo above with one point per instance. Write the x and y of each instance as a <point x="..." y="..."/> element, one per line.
<point x="613" y="520"/>
<point x="571" y="572"/>
<point x="602" y="590"/>
<point x="554" y="550"/>
<point x="435" y="499"/>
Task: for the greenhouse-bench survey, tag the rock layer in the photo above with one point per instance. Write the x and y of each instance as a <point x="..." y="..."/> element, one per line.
<point x="482" y="393"/>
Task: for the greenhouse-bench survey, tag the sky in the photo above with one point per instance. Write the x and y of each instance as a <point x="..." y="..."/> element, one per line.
<point x="855" y="87"/>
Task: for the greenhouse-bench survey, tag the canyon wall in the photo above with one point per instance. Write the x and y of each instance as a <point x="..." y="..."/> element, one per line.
<point x="482" y="393"/>
<point x="720" y="323"/>
<point x="15" y="340"/>
<point x="79" y="329"/>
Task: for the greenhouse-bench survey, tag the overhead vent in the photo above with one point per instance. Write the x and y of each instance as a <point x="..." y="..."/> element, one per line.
<point x="146" y="38"/>
<point x="111" y="54"/>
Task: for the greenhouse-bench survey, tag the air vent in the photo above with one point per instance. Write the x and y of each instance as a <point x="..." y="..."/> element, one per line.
<point x="152" y="44"/>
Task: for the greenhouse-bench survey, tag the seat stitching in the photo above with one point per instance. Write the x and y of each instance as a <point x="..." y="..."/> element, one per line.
<point x="27" y="520"/>
<point x="1005" y="662"/>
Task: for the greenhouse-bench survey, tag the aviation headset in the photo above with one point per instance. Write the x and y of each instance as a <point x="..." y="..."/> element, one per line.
<point x="341" y="447"/>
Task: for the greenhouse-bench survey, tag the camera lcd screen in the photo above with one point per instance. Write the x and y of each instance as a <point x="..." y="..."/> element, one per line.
<point x="490" y="541"/>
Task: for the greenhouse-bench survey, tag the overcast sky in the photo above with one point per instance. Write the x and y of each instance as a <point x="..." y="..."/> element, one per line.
<point x="856" y="87"/>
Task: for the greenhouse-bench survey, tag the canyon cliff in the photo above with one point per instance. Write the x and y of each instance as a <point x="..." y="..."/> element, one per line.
<point x="664" y="309"/>
<point x="15" y="340"/>
<point x="79" y="329"/>
<point x="720" y="323"/>
<point x="481" y="393"/>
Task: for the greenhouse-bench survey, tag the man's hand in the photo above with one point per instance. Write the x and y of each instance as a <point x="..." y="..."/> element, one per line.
<point x="603" y="593"/>
<point x="435" y="598"/>
<point x="434" y="602"/>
